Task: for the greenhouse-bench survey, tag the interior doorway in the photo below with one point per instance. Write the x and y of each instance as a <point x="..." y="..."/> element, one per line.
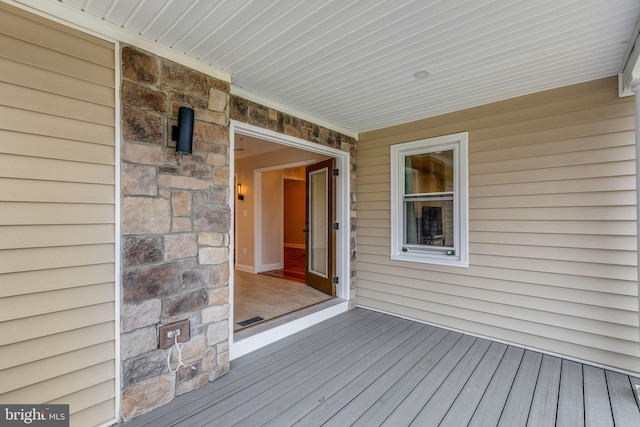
<point x="271" y="170"/>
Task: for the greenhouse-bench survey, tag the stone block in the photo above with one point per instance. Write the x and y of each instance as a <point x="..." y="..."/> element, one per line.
<point x="258" y="115"/>
<point x="139" y="180"/>
<point x="147" y="282"/>
<point x="212" y="256"/>
<point x="148" y="395"/>
<point x="141" y="250"/>
<point x="144" y="367"/>
<point x="197" y="278"/>
<point x="183" y="79"/>
<point x="221" y="119"/>
<point x="217" y="332"/>
<point x="219" y="275"/>
<point x="138" y="342"/>
<point x="181" y="99"/>
<point x="139" y="96"/>
<point x="209" y="360"/>
<point x="181" y="203"/>
<point x="181" y="224"/>
<point x="211" y="133"/>
<point x="215" y="313"/>
<point x="222" y="347"/>
<point x="196" y="170"/>
<point x="215" y="219"/>
<point x="184" y="303"/>
<point x="218" y="372"/>
<point x="141" y="126"/>
<point x="221" y="176"/>
<point x="136" y="316"/>
<point x="142" y="154"/>
<point x="192" y="384"/>
<point x="217" y="100"/>
<point x="192" y="350"/>
<point x="216" y="159"/>
<point x="143" y="215"/>
<point x="210" y="239"/>
<point x="223" y="359"/>
<point x="182" y="182"/>
<point x="219" y="84"/>
<point x="139" y="66"/>
<point x="219" y="195"/>
<point x="238" y="108"/>
<point x="219" y="296"/>
<point x="180" y="245"/>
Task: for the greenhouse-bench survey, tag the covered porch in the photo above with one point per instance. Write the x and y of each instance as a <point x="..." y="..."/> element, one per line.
<point x="365" y="368"/>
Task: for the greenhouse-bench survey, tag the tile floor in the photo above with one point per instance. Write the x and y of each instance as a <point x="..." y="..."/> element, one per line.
<point x="270" y="297"/>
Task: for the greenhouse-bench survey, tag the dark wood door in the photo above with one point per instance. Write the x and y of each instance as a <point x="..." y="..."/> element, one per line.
<point x="319" y="262"/>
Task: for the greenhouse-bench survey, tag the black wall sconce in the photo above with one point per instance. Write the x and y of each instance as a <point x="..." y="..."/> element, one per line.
<point x="240" y="195"/>
<point x="183" y="133"/>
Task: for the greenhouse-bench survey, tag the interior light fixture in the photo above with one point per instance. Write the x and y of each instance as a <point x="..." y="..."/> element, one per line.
<point x="183" y="133"/>
<point x="240" y="194"/>
<point x="421" y="74"/>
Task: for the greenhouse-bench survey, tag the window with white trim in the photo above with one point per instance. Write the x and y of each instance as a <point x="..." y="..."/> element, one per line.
<point x="429" y="201"/>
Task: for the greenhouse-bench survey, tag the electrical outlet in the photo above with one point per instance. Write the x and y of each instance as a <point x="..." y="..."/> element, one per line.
<point x="167" y="333"/>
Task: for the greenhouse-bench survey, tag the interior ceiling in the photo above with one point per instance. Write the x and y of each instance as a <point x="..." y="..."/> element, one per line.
<point x="351" y="63"/>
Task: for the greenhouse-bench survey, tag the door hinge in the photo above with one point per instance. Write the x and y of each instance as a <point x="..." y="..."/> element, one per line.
<point x="335" y="226"/>
<point x="336" y="172"/>
<point x="334" y="280"/>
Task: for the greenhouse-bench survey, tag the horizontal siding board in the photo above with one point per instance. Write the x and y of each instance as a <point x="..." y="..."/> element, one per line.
<point x="87" y="398"/>
<point x="33" y="327"/>
<point x="48" y="81"/>
<point x="55" y="170"/>
<point x="504" y="279"/>
<point x="52" y="367"/>
<point x="580" y="185"/>
<point x="42" y="146"/>
<point x="597" y="228"/>
<point x="574" y="213"/>
<point x="101" y="414"/>
<point x="24" y="306"/>
<point x="604" y="198"/>
<point x="56" y="257"/>
<point x="28" y="282"/>
<point x="573" y="145"/>
<point x="618" y="243"/>
<point x="53" y="345"/>
<point x="21" y="190"/>
<point x="517" y="293"/>
<point x="63" y="385"/>
<point x="55" y="105"/>
<point x="54" y="213"/>
<point x="52" y="38"/>
<point x="599" y="320"/>
<point x="25" y="121"/>
<point x="37" y="236"/>
<point x="40" y="57"/>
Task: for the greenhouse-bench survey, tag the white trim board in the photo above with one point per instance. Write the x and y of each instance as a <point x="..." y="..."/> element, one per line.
<point x="343" y="241"/>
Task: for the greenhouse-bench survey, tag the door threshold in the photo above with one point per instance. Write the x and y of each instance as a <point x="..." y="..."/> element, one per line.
<point x="247" y="340"/>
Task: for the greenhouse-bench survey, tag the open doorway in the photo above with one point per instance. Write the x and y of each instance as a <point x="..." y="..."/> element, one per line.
<point x="272" y="255"/>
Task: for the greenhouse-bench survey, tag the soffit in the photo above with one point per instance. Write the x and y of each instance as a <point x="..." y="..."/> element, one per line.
<point x="351" y="63"/>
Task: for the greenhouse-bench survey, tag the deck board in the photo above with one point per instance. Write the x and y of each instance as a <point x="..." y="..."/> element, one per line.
<point x="364" y="368"/>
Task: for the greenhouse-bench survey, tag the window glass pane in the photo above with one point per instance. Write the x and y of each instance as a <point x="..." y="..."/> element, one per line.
<point x="429" y="173"/>
<point x="429" y="223"/>
<point x="318" y="255"/>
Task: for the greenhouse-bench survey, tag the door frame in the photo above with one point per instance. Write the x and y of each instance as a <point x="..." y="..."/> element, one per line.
<point x="343" y="238"/>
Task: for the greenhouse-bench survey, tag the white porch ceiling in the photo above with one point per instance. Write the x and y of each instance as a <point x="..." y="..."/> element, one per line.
<point x="350" y="63"/>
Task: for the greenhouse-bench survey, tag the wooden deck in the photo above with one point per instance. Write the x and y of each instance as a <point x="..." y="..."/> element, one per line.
<point x="368" y="369"/>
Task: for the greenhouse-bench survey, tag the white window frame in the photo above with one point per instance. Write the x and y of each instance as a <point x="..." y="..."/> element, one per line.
<point x="459" y="142"/>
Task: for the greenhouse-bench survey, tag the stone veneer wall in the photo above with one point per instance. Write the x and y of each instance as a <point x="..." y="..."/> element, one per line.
<point x="255" y="114"/>
<point x="175" y="229"/>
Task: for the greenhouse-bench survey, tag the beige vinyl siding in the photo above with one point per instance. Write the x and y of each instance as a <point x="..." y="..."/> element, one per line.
<point x="552" y="226"/>
<point x="57" y="218"/>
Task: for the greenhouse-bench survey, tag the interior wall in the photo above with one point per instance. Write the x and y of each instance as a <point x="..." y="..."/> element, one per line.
<point x="552" y="226"/>
<point x="272" y="212"/>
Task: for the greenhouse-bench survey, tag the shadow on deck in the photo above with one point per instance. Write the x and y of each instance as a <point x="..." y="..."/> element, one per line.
<point x="364" y="368"/>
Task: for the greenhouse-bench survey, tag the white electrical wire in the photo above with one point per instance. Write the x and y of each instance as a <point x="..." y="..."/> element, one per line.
<point x="177" y="346"/>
